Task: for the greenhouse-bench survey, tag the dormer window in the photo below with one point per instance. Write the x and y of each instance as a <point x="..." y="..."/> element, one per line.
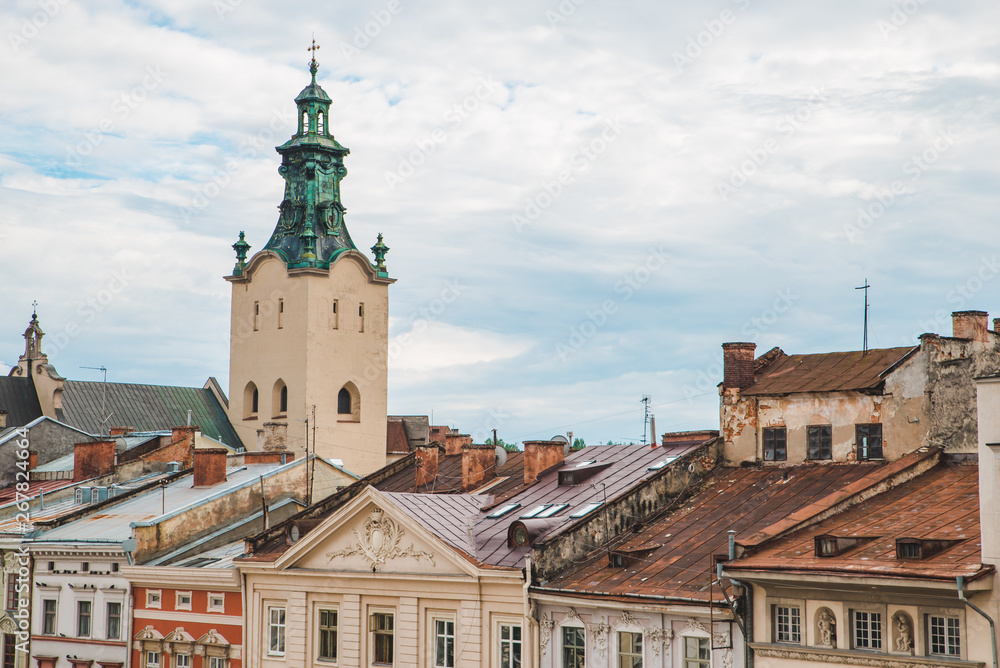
<point x="832" y="546"/>
<point x="921" y="548"/>
<point x="908" y="549"/>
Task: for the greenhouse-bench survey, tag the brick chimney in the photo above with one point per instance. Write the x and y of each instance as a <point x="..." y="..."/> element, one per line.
<point x="427" y="462"/>
<point x="737" y="365"/>
<point x="269" y="457"/>
<point x="478" y="465"/>
<point x="93" y="459"/>
<point x="121" y="431"/>
<point x="209" y="466"/>
<point x="32" y="460"/>
<point x="540" y="455"/>
<point x="970" y="325"/>
<point x="996" y="325"/>
<point x="455" y="442"/>
<point x="274" y="436"/>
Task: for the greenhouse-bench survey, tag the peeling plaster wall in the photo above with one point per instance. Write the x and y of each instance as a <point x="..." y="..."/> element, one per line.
<point x="953" y="366"/>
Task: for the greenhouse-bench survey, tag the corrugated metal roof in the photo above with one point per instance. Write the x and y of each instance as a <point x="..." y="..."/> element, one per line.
<point x="19" y="399"/>
<point x="673" y="556"/>
<point x="941" y="504"/>
<point x="826" y="372"/>
<point x="145" y="407"/>
<point x="448" y="516"/>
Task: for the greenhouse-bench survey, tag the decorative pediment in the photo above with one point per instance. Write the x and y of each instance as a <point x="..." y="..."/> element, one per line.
<point x="213" y="637"/>
<point x="379" y="540"/>
<point x="149" y="633"/>
<point x="179" y="635"/>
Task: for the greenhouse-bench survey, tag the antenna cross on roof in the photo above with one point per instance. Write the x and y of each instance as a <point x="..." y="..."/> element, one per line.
<point x="865" y="287"/>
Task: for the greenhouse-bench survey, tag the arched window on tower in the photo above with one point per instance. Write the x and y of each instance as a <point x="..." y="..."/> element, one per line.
<point x="321" y="124"/>
<point x="279" y="399"/>
<point x="251" y="400"/>
<point x="349" y="403"/>
<point x="344" y="402"/>
<point x="305" y="122"/>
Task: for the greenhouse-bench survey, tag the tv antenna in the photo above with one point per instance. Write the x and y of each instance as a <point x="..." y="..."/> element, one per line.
<point x="645" y="416"/>
<point x="865" y="287"/>
<point x="104" y="393"/>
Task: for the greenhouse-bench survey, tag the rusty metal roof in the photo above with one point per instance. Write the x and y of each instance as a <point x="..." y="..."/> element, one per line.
<point x="826" y="372"/>
<point x="673" y="556"/>
<point x="395" y="439"/>
<point x="449" y="477"/>
<point x="941" y="505"/>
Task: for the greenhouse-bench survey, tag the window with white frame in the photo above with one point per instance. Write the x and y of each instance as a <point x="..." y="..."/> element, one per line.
<point x="49" y="616"/>
<point x="183" y="601"/>
<point x="629" y="649"/>
<point x="152" y="659"/>
<point x="84" y="612"/>
<point x="217" y="662"/>
<point x="153" y="598"/>
<point x="697" y="652"/>
<point x="866" y="629"/>
<point x="382" y="629"/>
<point x="326" y="634"/>
<point x="182" y="661"/>
<point x="943" y="636"/>
<point x="510" y="645"/>
<point x="216" y="602"/>
<point x="444" y="643"/>
<point x="574" y="647"/>
<point x="276" y="630"/>
<point x="113" y="623"/>
<point x="787" y="624"/>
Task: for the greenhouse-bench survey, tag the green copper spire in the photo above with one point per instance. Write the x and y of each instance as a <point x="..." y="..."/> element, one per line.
<point x="311" y="230"/>
<point x="241" y="247"/>
<point x="380" y="249"/>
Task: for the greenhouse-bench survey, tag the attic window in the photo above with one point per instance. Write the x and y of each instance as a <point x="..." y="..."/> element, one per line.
<point x="552" y="510"/>
<point x="618" y="560"/>
<point x="663" y="462"/>
<point x="580" y="473"/>
<point x="921" y="548"/>
<point x="826" y="547"/>
<point x="535" y="511"/>
<point x="832" y="546"/>
<point x="587" y="509"/>
<point x="500" y="512"/>
<point x="907" y="549"/>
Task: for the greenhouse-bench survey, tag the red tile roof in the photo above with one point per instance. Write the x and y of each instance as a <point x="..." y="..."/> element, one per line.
<point x="941" y="504"/>
<point x="825" y="372"/>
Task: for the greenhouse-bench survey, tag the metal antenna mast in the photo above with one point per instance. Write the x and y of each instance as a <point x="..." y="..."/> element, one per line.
<point x="645" y="416"/>
<point x="104" y="393"/>
<point x="865" y="288"/>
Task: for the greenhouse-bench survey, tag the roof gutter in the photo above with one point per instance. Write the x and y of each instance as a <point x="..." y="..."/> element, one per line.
<point x="960" y="582"/>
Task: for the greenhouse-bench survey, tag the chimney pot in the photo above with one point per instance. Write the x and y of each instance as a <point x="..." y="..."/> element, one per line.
<point x="970" y="325"/>
<point x="209" y="466"/>
<point x="540" y="455"/>
<point x="478" y="465"/>
<point x="427" y="457"/>
<point x="738" y="365"/>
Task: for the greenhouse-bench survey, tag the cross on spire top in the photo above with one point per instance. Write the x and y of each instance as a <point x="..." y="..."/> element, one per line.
<point x="313" y="64"/>
<point x="34" y="309"/>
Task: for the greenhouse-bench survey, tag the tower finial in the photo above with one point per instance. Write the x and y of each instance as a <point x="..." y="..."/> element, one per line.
<point x="34" y="310"/>
<point x="313" y="64"/>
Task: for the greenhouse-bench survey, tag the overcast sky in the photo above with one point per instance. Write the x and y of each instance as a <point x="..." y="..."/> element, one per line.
<point x="583" y="199"/>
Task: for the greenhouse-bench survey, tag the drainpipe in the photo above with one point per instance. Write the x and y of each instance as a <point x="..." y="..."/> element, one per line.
<point x="960" y="581"/>
<point x="747" y="624"/>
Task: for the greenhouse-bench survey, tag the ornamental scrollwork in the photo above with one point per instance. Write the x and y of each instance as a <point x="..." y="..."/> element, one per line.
<point x="599" y="632"/>
<point x="627" y="619"/>
<point x="660" y="638"/>
<point x="378" y="541"/>
<point x="545" y="625"/>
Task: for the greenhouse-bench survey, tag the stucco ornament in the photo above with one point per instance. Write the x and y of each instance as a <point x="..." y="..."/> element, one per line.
<point x="545" y="625"/>
<point x="10" y="564"/>
<point x="378" y="541"/>
<point x="695" y="625"/>
<point x="599" y="632"/>
<point x="573" y="614"/>
<point x="661" y="639"/>
<point x="827" y="626"/>
<point x="8" y="625"/>
<point x="626" y="620"/>
<point x="904" y="633"/>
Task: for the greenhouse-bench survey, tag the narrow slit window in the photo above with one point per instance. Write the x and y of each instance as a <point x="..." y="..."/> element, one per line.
<point x="335" y="316"/>
<point x="281" y="312"/>
<point x="321" y="124"/>
<point x="305" y="122"/>
<point x="361" y="317"/>
<point x="256" y="315"/>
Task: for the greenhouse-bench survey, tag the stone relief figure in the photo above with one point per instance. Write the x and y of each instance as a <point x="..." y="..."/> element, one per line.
<point x="827" y="625"/>
<point x="904" y="633"/>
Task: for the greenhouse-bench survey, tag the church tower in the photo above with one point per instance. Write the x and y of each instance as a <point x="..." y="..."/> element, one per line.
<point x="310" y="313"/>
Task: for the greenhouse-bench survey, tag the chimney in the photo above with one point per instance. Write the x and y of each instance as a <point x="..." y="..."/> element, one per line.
<point x="93" y="459"/>
<point x="969" y="325"/>
<point x="32" y="460"/>
<point x="454" y="443"/>
<point x="996" y="325"/>
<point x="274" y="436"/>
<point x="427" y="463"/>
<point x="183" y="437"/>
<point x="270" y="457"/>
<point x="478" y="465"/>
<point x="540" y="455"/>
<point x="737" y="365"/>
<point x="209" y="466"/>
<point x="121" y="431"/>
<point x="3" y="419"/>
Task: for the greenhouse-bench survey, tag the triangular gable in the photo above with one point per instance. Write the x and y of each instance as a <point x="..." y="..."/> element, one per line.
<point x="372" y="534"/>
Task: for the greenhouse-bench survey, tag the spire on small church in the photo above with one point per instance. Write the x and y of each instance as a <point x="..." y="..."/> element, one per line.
<point x="380" y="249"/>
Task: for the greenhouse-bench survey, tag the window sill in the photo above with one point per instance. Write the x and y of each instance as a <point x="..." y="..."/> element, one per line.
<point x="250" y="417"/>
<point x="802" y="653"/>
<point x="279" y="416"/>
<point x="356" y="422"/>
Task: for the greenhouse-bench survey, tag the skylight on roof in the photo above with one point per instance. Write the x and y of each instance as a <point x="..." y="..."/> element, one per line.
<point x="534" y="511"/>
<point x="663" y="462"/>
<point x="552" y="510"/>
<point x="500" y="512"/>
<point x="587" y="509"/>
